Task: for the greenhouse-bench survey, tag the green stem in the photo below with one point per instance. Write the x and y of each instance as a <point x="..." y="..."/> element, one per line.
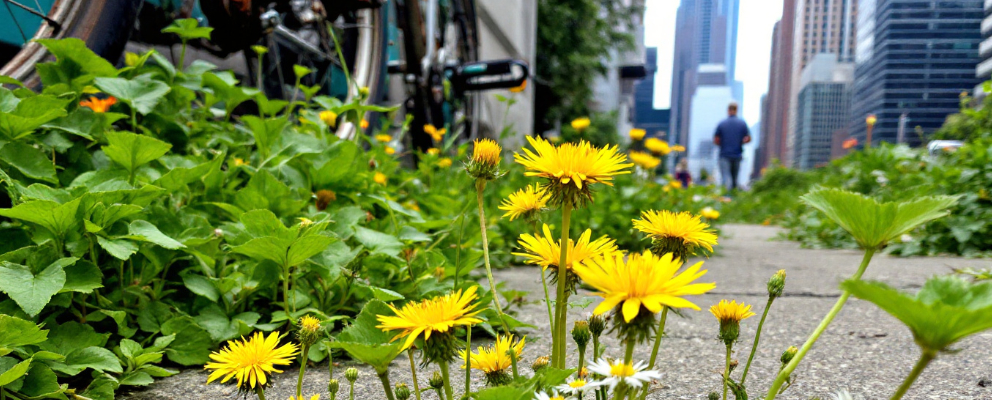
<point x="628" y="358"/>
<point x="757" y="337"/>
<point x="480" y="186"/>
<point x="513" y="363"/>
<point x="182" y="58"/>
<point x="582" y="357"/>
<point x="785" y="372"/>
<point x="259" y="74"/>
<point x="925" y="359"/>
<point x="121" y="271"/>
<point x="303" y="368"/>
<point x="351" y="394"/>
<point x="468" y="360"/>
<point x="413" y="371"/>
<point x="561" y="301"/>
<point x="384" y="378"/>
<point x="260" y="392"/>
<point x="458" y="250"/>
<point x="657" y="346"/>
<point x="547" y="298"/>
<point x="726" y="371"/>
<point x="446" y="379"/>
<point x="285" y="293"/>
<point x="344" y="63"/>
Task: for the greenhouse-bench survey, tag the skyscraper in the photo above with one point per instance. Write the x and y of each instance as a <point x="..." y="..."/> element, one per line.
<point x="913" y="60"/>
<point x="653" y="120"/>
<point x="823" y="106"/>
<point x="775" y="120"/>
<point x="705" y="33"/>
<point x="984" y="70"/>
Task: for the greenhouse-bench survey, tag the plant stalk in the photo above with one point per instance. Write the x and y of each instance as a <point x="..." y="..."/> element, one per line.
<point x="260" y="392"/>
<point x="921" y="364"/>
<point x="547" y="298"/>
<point x="384" y="378"/>
<point x="726" y="371"/>
<point x="628" y="358"/>
<point x="785" y="372"/>
<point x="447" y="380"/>
<point x="757" y="337"/>
<point x="468" y="360"/>
<point x="657" y="346"/>
<point x="285" y="294"/>
<point x="561" y="301"/>
<point x="413" y="370"/>
<point x="480" y="186"/>
<point x="303" y="369"/>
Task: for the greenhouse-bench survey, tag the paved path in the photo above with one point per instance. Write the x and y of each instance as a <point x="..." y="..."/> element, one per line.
<point x="865" y="350"/>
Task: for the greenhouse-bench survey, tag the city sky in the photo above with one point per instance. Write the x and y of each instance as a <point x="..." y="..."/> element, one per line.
<point x="754" y="42"/>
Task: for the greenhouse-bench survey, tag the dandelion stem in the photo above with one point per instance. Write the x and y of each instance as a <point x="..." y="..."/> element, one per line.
<point x="561" y="301"/>
<point x="384" y="378"/>
<point x="785" y="372"/>
<point x="413" y="370"/>
<point x="757" y="337"/>
<point x="303" y="368"/>
<point x="260" y="392"/>
<point x="351" y="393"/>
<point x="480" y="186"/>
<point x="547" y="298"/>
<point x="468" y="360"/>
<point x="925" y="359"/>
<point x="513" y="362"/>
<point x="285" y="293"/>
<point x="726" y="371"/>
<point x="628" y="358"/>
<point x="446" y="379"/>
<point x="657" y="346"/>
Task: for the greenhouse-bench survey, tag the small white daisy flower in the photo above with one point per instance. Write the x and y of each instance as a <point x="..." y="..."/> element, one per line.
<point x="576" y="386"/>
<point x="545" y="396"/>
<point x="617" y="372"/>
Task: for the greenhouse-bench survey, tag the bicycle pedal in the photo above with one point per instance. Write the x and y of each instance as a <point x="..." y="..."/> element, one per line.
<point x="485" y="75"/>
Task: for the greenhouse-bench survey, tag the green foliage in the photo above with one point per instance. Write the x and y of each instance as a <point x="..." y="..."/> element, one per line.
<point x="946" y="310"/>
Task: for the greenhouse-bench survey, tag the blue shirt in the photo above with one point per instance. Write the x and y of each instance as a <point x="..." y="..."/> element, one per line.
<point x="732" y="132"/>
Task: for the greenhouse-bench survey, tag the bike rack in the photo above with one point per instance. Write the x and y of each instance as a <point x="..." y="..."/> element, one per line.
<point x="486" y="75"/>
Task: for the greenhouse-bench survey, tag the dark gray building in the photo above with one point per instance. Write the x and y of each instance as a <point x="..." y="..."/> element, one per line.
<point x="984" y="70"/>
<point x="822" y="109"/>
<point x="653" y="120"/>
<point x="914" y="58"/>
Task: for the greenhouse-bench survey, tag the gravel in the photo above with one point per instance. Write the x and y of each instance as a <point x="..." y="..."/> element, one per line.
<point x="865" y="350"/>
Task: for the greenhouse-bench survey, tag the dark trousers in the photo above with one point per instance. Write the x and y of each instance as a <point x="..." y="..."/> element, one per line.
<point x="729" y="169"/>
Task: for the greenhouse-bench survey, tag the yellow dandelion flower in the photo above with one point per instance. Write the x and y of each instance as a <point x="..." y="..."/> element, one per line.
<point x="527" y="200"/>
<point x="657" y="146"/>
<point x="250" y="360"/>
<point x="637" y="134"/>
<point x="444" y="162"/>
<point x="390" y="151"/>
<point x="642" y="280"/>
<point x="644" y="160"/>
<point x="314" y="397"/>
<point x="494" y="358"/>
<point x="383" y="138"/>
<point x="731" y="311"/>
<point x="364" y="124"/>
<point x="581" y="123"/>
<point x="239" y="162"/>
<point x="329" y="117"/>
<point x="546" y="251"/>
<point x="675" y="184"/>
<point x="433" y="151"/>
<point x="309" y="323"/>
<point x="683" y="226"/>
<point x="710" y="213"/>
<point x="435" y="133"/>
<point x="580" y="164"/>
<point x="437" y="315"/>
<point x="380" y="178"/>
<point x="678" y="148"/>
<point x="487" y="151"/>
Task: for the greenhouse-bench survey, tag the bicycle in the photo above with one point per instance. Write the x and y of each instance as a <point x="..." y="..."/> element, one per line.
<point x="438" y="61"/>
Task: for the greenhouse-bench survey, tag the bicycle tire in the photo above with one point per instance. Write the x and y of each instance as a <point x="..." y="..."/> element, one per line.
<point x="104" y="25"/>
<point x="369" y="65"/>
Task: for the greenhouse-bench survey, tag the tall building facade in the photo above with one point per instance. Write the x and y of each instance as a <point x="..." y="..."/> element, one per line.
<point x="775" y="117"/>
<point x="913" y="60"/>
<point x="708" y="108"/>
<point x="823" y="106"/>
<point x="819" y="26"/>
<point x="654" y="121"/>
<point x="984" y="70"/>
<point x="705" y="33"/>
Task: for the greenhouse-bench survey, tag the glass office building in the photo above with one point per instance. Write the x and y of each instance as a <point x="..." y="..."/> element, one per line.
<point x="913" y="59"/>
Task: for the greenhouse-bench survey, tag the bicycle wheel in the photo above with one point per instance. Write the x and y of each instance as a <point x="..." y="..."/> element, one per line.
<point x="365" y="41"/>
<point x="103" y="24"/>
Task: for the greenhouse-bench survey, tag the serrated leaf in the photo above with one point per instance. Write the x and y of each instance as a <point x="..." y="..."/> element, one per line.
<point x="29" y="160"/>
<point x="121" y="249"/>
<point x="142" y="93"/>
<point x="187" y="29"/>
<point x="378" y="242"/>
<point x="95" y="358"/>
<point x="192" y="344"/>
<point x="71" y="336"/>
<point x="132" y="151"/>
<point x="264" y="191"/>
<point x="16" y="332"/>
<point x="57" y="218"/>
<point x="40" y="382"/>
<point x="150" y="233"/>
<point x="73" y="60"/>
<point x="137" y="378"/>
<point x="200" y="285"/>
<point x="11" y="370"/>
<point x="82" y="277"/>
<point x="31" y="292"/>
<point x="385" y="295"/>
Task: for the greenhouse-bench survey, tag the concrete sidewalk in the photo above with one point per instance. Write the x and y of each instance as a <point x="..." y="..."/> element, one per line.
<point x="865" y="351"/>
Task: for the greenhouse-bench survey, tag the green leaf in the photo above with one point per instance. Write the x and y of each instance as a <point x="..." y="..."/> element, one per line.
<point x="132" y="151"/>
<point x="201" y="285"/>
<point x="306" y="247"/>
<point x="225" y="88"/>
<point x="95" y="358"/>
<point x="137" y="378"/>
<point x="150" y="233"/>
<point x="378" y="242"/>
<point x="102" y="388"/>
<point x="505" y="393"/>
<point x="82" y="122"/>
<point x="121" y="249"/>
<point x="874" y="224"/>
<point x="363" y="329"/>
<point x="385" y="295"/>
<point x="82" y="277"/>
<point x="16" y="332"/>
<point x="192" y="344"/>
<point x="141" y="93"/>
<point x="29" y="160"/>
<point x="71" y="336"/>
<point x="188" y="28"/>
<point x="301" y="71"/>
<point x="12" y="370"/>
<point x="264" y="191"/>
<point x="40" y="382"/>
<point x="75" y="64"/>
<point x="31" y="292"/>
<point x="57" y="218"/>
<point x="340" y="162"/>
<point x="267" y="132"/>
<point x="30" y="114"/>
<point x="946" y="310"/>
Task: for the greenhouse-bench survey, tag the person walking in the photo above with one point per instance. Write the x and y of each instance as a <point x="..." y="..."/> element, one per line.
<point x="731" y="135"/>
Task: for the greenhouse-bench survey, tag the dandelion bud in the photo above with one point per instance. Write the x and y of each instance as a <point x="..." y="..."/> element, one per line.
<point x="583" y="373"/>
<point x="776" y="284"/>
<point x="486" y="156"/>
<point x="332" y="388"/>
<point x="329" y="117"/>
<point x="308" y="332"/>
<point x="713" y="396"/>
<point x="324" y="198"/>
<point x="363" y="91"/>
<point x="436" y="381"/>
<point x="305" y="222"/>
<point x="581" y="334"/>
<point x="540" y="363"/>
<point x="402" y="392"/>
<point x="730" y="315"/>
<point x="597" y="325"/>
<point x="789" y="354"/>
<point x="351" y="374"/>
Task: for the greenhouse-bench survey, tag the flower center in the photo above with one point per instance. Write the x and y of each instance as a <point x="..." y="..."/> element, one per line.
<point x="577" y="383"/>
<point x="621" y="370"/>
